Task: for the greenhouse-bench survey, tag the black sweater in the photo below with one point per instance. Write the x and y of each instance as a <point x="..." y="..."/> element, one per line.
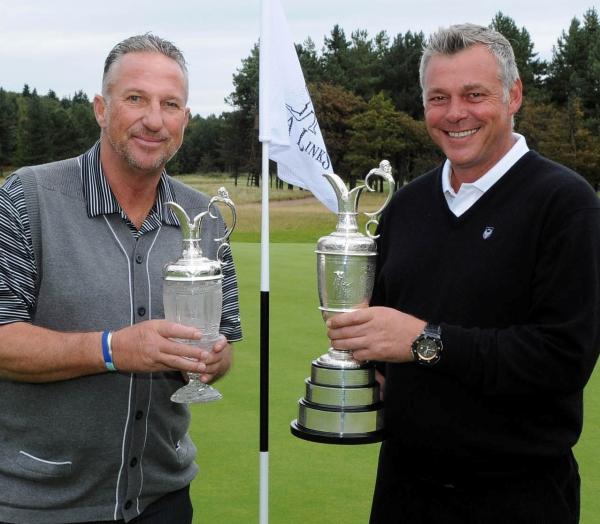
<point x="515" y="284"/>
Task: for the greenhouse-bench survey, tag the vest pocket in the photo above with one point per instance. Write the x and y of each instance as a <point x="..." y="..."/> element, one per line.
<point x="185" y="451"/>
<point x="33" y="466"/>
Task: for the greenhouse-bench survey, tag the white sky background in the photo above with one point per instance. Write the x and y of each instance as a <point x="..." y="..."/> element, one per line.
<point x="62" y="44"/>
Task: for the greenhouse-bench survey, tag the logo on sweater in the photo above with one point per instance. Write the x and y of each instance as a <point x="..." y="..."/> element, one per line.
<point x="487" y="232"/>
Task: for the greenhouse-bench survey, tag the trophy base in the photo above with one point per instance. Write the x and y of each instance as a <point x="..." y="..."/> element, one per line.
<point x="331" y="438"/>
<point x="341" y="406"/>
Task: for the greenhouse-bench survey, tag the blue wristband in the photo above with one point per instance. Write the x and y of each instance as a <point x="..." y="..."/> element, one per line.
<point x="107" y="351"/>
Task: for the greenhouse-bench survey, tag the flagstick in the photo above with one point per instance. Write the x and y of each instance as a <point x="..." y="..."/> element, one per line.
<point x="264" y="339"/>
<point x="264" y="89"/>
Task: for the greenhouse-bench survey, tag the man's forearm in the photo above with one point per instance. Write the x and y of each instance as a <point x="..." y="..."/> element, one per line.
<point x="30" y="353"/>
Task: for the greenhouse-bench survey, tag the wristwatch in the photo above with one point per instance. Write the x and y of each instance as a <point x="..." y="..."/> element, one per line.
<point x="427" y="347"/>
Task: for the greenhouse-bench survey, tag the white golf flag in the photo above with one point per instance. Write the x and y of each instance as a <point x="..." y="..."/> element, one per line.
<point x="287" y="117"/>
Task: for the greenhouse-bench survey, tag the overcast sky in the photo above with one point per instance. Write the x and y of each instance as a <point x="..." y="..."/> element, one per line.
<point x="62" y="44"/>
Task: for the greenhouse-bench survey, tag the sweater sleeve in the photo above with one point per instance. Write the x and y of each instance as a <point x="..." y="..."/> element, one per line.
<point x="555" y="350"/>
<point x="230" y="319"/>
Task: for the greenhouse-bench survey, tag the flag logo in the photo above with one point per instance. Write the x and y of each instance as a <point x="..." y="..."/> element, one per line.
<point x="306" y="136"/>
<point x="300" y="116"/>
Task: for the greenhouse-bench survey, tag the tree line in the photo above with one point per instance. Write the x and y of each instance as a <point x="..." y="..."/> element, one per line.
<point x="367" y="98"/>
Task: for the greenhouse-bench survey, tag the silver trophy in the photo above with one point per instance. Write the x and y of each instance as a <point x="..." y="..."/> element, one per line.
<point x="192" y="291"/>
<point x="342" y="404"/>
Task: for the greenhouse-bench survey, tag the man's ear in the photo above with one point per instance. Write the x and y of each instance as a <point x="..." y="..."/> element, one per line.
<point x="515" y="97"/>
<point x="187" y="116"/>
<point x="100" y="110"/>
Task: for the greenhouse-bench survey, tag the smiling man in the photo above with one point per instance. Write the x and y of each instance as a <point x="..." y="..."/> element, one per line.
<point x="88" y="432"/>
<point x="485" y="316"/>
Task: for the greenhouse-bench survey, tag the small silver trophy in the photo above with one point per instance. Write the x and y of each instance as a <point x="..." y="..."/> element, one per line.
<point x="342" y="404"/>
<point x="192" y="291"/>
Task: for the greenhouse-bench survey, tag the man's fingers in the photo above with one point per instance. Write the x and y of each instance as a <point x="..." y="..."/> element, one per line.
<point x="362" y="355"/>
<point x="179" y="349"/>
<point x="184" y="364"/>
<point x="173" y="330"/>
<point x="349" y="331"/>
<point x="359" y="316"/>
<point x="350" y="344"/>
<point x="220" y="346"/>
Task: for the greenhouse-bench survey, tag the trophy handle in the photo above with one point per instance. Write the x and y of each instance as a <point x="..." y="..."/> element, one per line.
<point x="184" y="221"/>
<point x="384" y="171"/>
<point x="223" y="198"/>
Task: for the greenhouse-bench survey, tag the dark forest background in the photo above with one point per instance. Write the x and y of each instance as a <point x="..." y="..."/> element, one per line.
<point x="366" y="94"/>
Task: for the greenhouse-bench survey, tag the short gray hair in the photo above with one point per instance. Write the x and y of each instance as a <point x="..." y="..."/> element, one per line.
<point x="451" y="40"/>
<point x="146" y="43"/>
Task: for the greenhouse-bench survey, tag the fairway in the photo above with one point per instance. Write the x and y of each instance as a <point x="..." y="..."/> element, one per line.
<point x="309" y="483"/>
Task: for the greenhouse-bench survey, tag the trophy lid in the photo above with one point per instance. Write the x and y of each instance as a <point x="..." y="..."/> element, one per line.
<point x="346" y="239"/>
<point x="192" y="265"/>
<point x="193" y="269"/>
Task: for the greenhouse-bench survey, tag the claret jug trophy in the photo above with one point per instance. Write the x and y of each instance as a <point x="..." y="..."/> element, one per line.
<point x="192" y="291"/>
<point x="341" y="404"/>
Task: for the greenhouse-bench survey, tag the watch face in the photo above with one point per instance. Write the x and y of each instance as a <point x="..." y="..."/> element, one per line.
<point x="427" y="348"/>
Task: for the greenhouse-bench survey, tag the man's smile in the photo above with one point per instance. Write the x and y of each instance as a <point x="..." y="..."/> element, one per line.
<point x="461" y="134"/>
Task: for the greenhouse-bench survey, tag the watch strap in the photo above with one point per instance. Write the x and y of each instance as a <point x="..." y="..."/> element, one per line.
<point x="433" y="330"/>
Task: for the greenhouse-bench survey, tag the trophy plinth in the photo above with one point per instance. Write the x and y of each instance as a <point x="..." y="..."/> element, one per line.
<point x="340" y="406"/>
<point x="342" y="402"/>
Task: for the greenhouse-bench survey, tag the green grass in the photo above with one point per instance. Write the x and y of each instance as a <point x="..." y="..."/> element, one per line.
<point x="587" y="452"/>
<point x="241" y="193"/>
<point x="309" y="483"/>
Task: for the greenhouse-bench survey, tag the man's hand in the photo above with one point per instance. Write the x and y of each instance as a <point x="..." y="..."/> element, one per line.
<point x="148" y="347"/>
<point x="375" y="333"/>
<point x="218" y="361"/>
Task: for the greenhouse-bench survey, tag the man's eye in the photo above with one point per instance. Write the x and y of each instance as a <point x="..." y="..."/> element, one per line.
<point x="172" y="105"/>
<point x="474" y="95"/>
<point x="134" y="98"/>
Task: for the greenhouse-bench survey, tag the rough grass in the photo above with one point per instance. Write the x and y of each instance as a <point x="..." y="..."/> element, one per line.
<point x="294" y="215"/>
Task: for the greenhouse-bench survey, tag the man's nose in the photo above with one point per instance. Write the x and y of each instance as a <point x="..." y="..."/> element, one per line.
<point x="153" y="119"/>
<point x="457" y="110"/>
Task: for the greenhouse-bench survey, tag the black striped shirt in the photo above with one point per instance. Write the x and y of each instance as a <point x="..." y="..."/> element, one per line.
<point x="18" y="269"/>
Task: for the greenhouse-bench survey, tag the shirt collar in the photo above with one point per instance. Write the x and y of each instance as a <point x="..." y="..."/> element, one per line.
<point x="100" y="199"/>
<point x="483" y="183"/>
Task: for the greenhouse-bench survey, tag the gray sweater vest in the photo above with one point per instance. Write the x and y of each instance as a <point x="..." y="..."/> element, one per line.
<point x="104" y="446"/>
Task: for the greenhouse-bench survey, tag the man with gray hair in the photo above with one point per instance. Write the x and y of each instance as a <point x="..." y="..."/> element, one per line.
<point x="485" y="317"/>
<point x="88" y="432"/>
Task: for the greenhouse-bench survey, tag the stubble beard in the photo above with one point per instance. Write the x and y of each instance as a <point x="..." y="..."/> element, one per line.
<point x="126" y="154"/>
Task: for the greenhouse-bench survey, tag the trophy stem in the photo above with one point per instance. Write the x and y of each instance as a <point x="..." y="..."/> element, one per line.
<point x="339" y="359"/>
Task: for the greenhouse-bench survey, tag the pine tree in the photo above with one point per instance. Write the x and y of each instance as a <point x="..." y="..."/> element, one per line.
<point x="400" y="73"/>
<point x="575" y="68"/>
<point x="8" y="128"/>
<point x="531" y="69"/>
